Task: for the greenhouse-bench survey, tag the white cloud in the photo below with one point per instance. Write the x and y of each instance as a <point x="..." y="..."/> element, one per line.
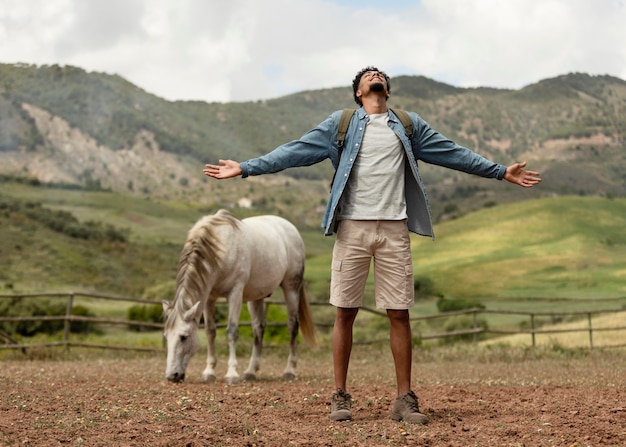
<point x="247" y="50"/>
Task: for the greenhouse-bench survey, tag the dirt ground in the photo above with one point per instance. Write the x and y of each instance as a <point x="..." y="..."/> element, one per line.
<point x="480" y="400"/>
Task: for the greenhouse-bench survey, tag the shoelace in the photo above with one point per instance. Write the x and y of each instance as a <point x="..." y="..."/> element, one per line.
<point x="412" y="403"/>
<point x="342" y="401"/>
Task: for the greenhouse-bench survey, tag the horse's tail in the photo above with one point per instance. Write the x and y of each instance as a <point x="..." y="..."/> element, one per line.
<point x="305" y="319"/>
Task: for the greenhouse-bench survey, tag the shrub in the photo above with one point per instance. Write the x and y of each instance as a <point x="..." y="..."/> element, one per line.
<point x="17" y="307"/>
<point x="147" y="313"/>
<point x="82" y="327"/>
<point x="423" y="286"/>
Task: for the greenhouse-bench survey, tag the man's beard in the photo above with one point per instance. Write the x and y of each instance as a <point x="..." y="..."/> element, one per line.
<point x="377" y="87"/>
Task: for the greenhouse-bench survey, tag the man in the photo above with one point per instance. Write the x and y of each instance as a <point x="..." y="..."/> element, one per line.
<point x="377" y="197"/>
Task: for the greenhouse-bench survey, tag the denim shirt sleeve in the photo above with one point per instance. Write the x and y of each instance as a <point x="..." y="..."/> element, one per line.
<point x="313" y="147"/>
<point x="432" y="147"/>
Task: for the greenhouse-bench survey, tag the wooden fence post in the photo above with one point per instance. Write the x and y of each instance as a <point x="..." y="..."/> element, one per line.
<point x="532" y="327"/>
<point x="590" y="331"/>
<point x="67" y="324"/>
<point x="474" y="320"/>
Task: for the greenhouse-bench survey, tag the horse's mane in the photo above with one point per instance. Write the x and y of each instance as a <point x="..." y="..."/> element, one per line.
<point x="200" y="255"/>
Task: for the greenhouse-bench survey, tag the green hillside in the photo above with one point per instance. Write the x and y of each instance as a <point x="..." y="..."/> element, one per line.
<point x="551" y="248"/>
<point x="567" y="247"/>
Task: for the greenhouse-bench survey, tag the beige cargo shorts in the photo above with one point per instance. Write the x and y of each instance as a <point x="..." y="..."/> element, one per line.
<point x="387" y="242"/>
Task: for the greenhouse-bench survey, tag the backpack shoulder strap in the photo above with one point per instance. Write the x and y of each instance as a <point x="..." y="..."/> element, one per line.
<point x="405" y="119"/>
<point x="344" y="122"/>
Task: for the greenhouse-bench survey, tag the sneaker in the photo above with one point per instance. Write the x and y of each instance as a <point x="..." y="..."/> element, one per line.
<point x="406" y="409"/>
<point x="340" y="406"/>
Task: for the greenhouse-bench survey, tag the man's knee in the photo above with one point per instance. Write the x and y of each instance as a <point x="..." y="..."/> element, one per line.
<point x="346" y="314"/>
<point x="398" y="314"/>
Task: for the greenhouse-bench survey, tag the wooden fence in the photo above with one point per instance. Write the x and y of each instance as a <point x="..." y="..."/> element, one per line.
<point x="7" y="340"/>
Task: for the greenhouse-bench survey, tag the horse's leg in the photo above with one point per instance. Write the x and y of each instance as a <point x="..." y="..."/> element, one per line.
<point x="208" y="375"/>
<point x="232" y="332"/>
<point x="291" y="290"/>
<point x="257" y="315"/>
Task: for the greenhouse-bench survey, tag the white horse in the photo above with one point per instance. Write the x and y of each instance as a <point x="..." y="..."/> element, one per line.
<point x="242" y="260"/>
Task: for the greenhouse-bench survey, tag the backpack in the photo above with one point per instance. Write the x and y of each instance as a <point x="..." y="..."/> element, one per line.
<point x="344" y="123"/>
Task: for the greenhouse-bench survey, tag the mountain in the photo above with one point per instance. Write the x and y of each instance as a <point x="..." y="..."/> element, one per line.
<point x="63" y="126"/>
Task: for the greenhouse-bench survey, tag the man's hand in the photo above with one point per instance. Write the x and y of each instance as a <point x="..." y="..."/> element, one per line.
<point x="226" y="169"/>
<point x="515" y="173"/>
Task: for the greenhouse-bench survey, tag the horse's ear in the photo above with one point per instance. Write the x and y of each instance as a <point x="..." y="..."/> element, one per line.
<point x="193" y="313"/>
<point x="166" y="308"/>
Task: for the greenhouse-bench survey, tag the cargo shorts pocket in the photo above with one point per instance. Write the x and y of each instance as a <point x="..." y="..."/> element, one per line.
<point x="410" y="283"/>
<point x="335" y="279"/>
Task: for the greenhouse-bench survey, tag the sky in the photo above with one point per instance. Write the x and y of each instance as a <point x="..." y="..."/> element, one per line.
<point x="249" y="50"/>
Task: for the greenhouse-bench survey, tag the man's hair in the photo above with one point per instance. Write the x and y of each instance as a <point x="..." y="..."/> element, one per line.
<point x="357" y="80"/>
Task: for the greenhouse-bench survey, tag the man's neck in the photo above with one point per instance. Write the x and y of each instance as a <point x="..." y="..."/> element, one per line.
<point x="375" y="104"/>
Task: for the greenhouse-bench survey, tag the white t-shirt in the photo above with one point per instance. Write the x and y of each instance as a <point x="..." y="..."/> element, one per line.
<point x="375" y="188"/>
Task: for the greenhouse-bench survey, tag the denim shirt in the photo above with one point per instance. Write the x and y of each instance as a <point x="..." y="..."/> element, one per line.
<point x="426" y="144"/>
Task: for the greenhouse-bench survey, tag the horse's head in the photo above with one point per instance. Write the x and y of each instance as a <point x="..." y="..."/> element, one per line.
<point x="181" y="333"/>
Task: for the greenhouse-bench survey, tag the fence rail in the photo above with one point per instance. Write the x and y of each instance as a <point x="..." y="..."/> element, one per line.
<point x="8" y="342"/>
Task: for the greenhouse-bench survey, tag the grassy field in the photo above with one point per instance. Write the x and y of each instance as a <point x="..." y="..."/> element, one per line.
<point x="541" y="255"/>
<point x="565" y="247"/>
<point x="571" y="247"/>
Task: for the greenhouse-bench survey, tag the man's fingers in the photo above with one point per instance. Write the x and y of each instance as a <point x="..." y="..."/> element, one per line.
<point x="211" y="170"/>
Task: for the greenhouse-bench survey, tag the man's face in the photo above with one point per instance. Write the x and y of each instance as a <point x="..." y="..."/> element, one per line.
<point x="372" y="81"/>
<point x="373" y="77"/>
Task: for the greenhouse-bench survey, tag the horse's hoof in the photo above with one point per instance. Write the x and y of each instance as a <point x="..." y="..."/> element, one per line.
<point x="289" y="376"/>
<point x="209" y="378"/>
<point x="249" y="377"/>
<point x="231" y="380"/>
